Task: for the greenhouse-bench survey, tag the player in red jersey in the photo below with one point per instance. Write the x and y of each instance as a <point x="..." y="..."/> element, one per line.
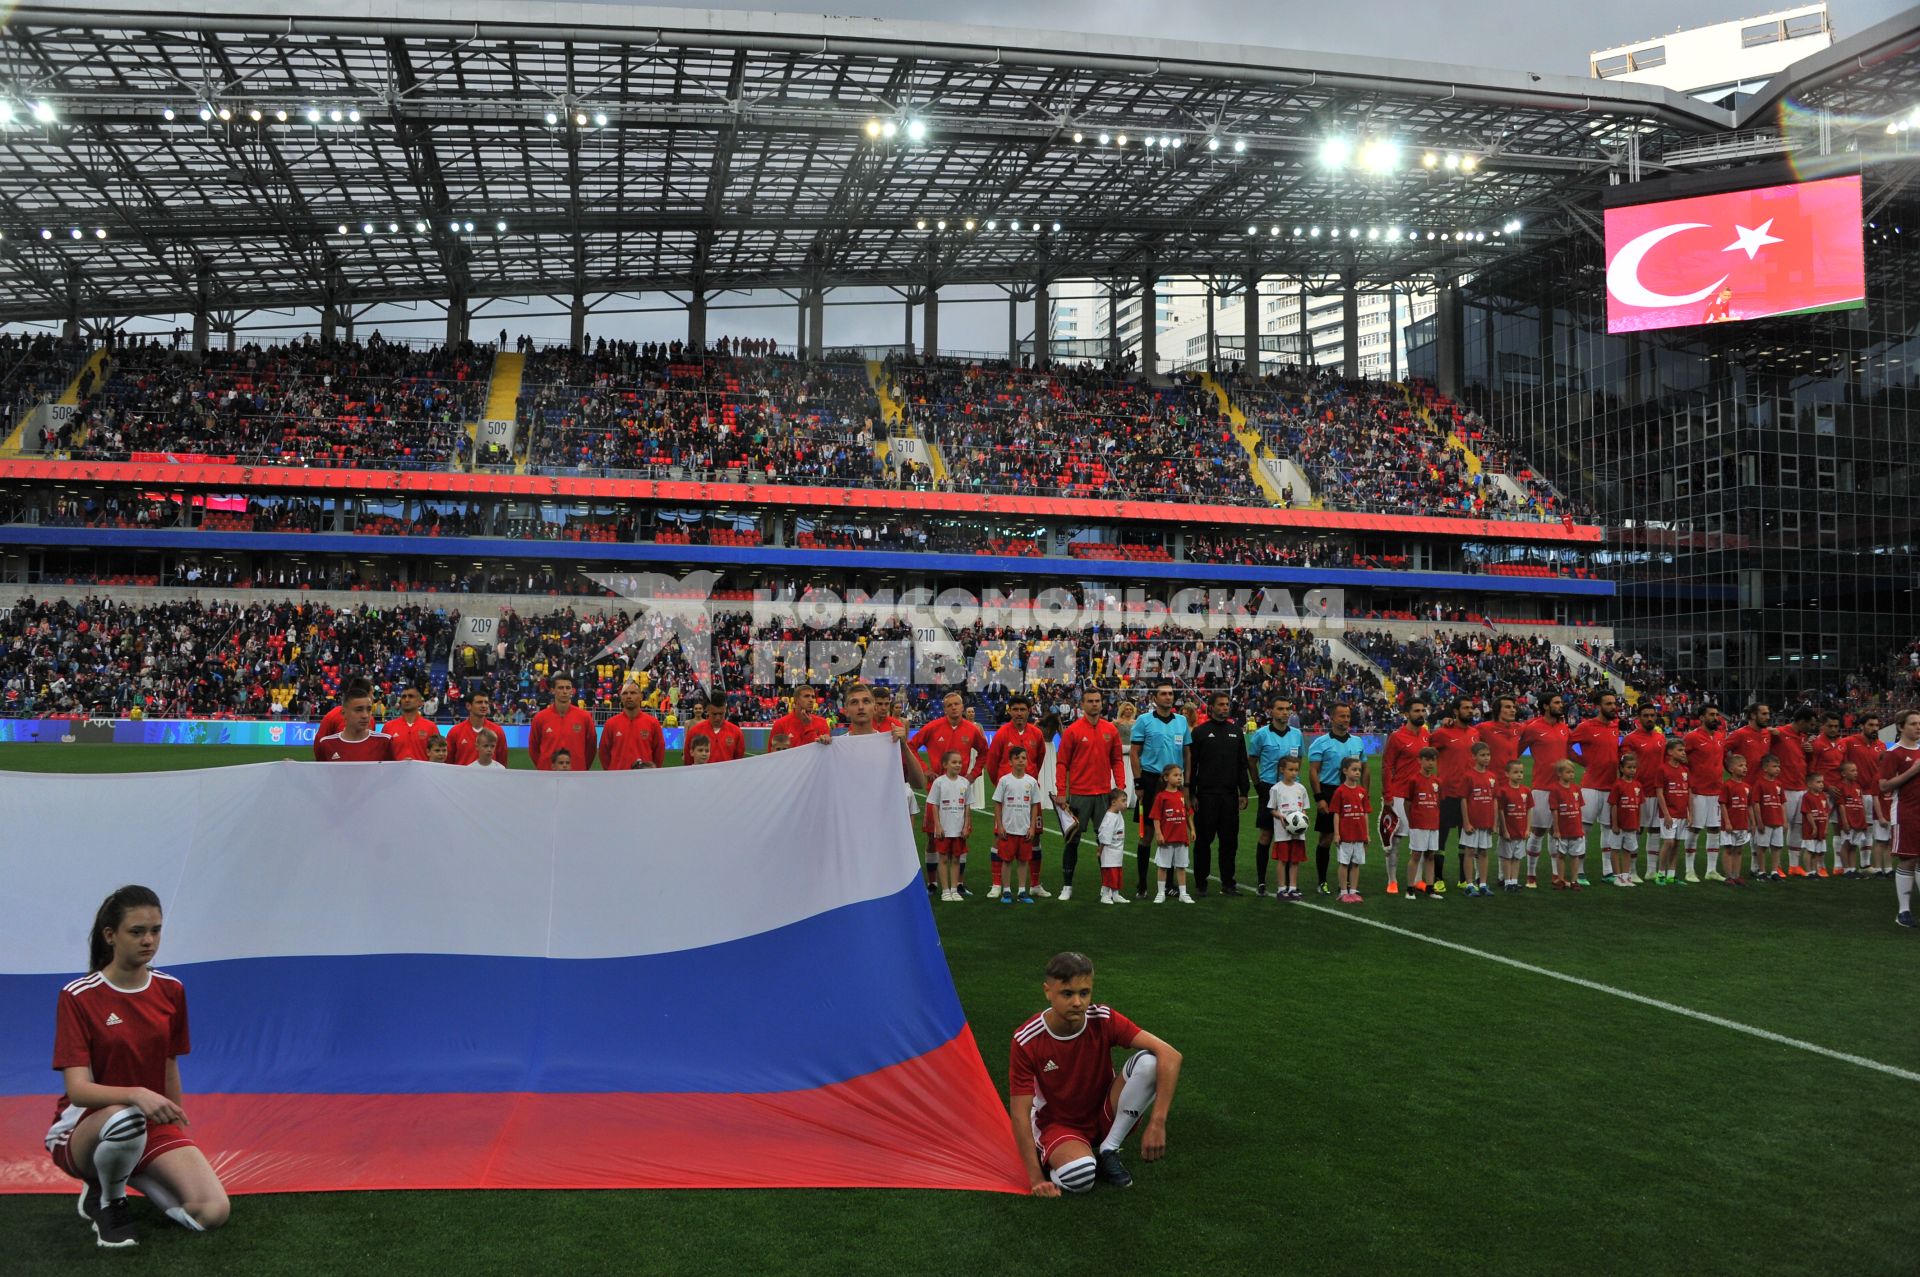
<point x="1736" y="820"/>
<point x="1422" y="801"/>
<point x="1453" y="738"/>
<point x="954" y="733"/>
<point x="1706" y="764"/>
<point x="1770" y="820"/>
<point x="726" y="741"/>
<point x="1900" y="781"/>
<point x="1826" y="752"/>
<point x="1502" y="733"/>
<point x="1547" y="739"/>
<point x="356" y="741"/>
<point x="1595" y="744"/>
<point x="411" y="732"/>
<point x="800" y="725"/>
<point x="1864" y="749"/>
<point x="1089" y="766"/>
<point x="1850" y="807"/>
<point x="1018" y="733"/>
<point x="119" y="1033"/>
<point x="1625" y="802"/>
<point x="1399" y="764"/>
<point x="1516" y="818"/>
<point x="1070" y="1110"/>
<point x="1791" y="745"/>
<point x="461" y="750"/>
<point x="1569" y="837"/>
<point x="330" y="723"/>
<point x="561" y="725"/>
<point x="1351" y="805"/>
<point x="1816" y="824"/>
<point x="632" y="738"/>
<point x="1478" y="812"/>
<point x="1673" y="793"/>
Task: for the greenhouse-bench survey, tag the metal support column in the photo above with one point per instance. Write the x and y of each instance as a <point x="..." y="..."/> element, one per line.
<point x="930" y="324"/>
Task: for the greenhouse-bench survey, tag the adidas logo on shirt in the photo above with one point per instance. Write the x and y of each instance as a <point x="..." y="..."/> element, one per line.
<point x="1051" y="1066"/>
<point x="112" y="1019"/>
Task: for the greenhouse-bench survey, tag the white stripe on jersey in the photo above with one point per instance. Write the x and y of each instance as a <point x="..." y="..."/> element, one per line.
<point x="85" y="982"/>
<point x="163" y="975"/>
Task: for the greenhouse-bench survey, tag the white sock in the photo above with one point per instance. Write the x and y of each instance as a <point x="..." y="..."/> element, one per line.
<point x="1533" y="864"/>
<point x="166" y="1203"/>
<point x="1903" y="885"/>
<point x="1606" y="863"/>
<point x="1393" y="865"/>
<point x="1793" y="857"/>
<point x="1142" y="1072"/>
<point x="123" y="1138"/>
<point x="1076" y="1176"/>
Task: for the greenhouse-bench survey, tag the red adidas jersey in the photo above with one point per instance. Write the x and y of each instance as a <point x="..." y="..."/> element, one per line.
<point x="725" y="743"/>
<point x="124" y="1038"/>
<point x="1564" y="800"/>
<point x="1816" y="813"/>
<point x="1853" y="806"/>
<point x="1170" y="809"/>
<point x="1504" y="740"/>
<point x="1598" y="740"/>
<point x="1736" y="805"/>
<point x="1828" y="755"/>
<point x="572" y="731"/>
<point x="1549" y="743"/>
<point x="330" y="724"/>
<point x="1070" y="1077"/>
<point x="1770" y="799"/>
<point x="1351" y="806"/>
<point x="1400" y="762"/>
<point x="1480" y="799"/>
<point x="963" y="738"/>
<point x="461" y="749"/>
<point x="626" y="740"/>
<point x="1456" y="756"/>
<point x="1676" y="791"/>
<point x="410" y="739"/>
<point x="1516" y="806"/>
<point x="1004" y="739"/>
<point x="1706" y="760"/>
<point x="800" y="731"/>
<point x="371" y="748"/>
<point x="1905" y="807"/>
<point x="1627" y="797"/>
<point x="1423" y="802"/>
<point x="1089" y="759"/>
<point x="1790" y="747"/>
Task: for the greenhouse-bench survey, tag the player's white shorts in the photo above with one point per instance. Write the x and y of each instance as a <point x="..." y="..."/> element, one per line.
<point x="1478" y="840"/>
<point x="1512" y="848"/>
<point x="1170" y="855"/>
<point x="1882" y="831"/>
<point x="1770" y="836"/>
<point x="1854" y="838"/>
<point x="1733" y="839"/>
<point x="1542" y="817"/>
<point x="1675" y="830"/>
<point x="1423" y="840"/>
<point x="1794" y="798"/>
<point x="1706" y="811"/>
<point x="1353" y="853"/>
<point x="1620" y="840"/>
<point x="1649" y="813"/>
<point x="1401" y="830"/>
<point x="1569" y="846"/>
<point x="1594" y="807"/>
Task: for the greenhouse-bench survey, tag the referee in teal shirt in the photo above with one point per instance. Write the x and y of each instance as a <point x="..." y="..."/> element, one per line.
<point x="1160" y="740"/>
<point x="1324" y="759"/>
<point x="1265" y="748"/>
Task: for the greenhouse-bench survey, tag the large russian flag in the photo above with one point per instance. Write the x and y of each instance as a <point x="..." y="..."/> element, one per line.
<point x="419" y="976"/>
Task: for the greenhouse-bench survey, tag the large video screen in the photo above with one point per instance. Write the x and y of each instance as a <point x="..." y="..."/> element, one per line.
<point x="1711" y="259"/>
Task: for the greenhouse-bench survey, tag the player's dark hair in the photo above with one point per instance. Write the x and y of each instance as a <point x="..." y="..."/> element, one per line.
<point x="557" y="676"/>
<point x="113" y="911"/>
<point x="1069" y="966"/>
<point x="558" y="752"/>
<point x="1481" y="747"/>
<point x="1804" y="714"/>
<point x="1429" y="752"/>
<point x="1018" y="751"/>
<point x="355" y="689"/>
<point x="1417" y="699"/>
<point x="1018" y="698"/>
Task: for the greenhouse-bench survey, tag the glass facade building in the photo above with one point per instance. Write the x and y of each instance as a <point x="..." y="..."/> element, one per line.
<point x="1755" y="479"/>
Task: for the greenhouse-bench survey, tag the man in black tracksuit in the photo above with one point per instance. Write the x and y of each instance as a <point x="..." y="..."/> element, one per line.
<point x="1219" y="791"/>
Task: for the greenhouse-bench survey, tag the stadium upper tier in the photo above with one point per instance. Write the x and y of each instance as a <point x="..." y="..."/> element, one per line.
<point x="664" y="412"/>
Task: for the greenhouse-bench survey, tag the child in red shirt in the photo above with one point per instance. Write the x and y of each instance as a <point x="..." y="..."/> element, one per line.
<point x="1736" y="820"/>
<point x="1816" y="820"/>
<point x="1855" y="840"/>
<point x="1351" y="807"/>
<point x="1569" y="848"/>
<point x="1675" y="796"/>
<point x="1515" y="802"/>
<point x="1623" y="834"/>
<point x="1169" y="817"/>
<point x="1423" y="822"/>
<point x="1476" y="820"/>
<point x="1770" y="800"/>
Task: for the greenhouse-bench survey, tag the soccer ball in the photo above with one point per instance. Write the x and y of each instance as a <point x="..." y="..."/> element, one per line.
<point x="1295" y="821"/>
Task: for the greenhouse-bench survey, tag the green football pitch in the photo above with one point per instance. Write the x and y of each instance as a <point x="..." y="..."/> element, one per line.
<point x="1355" y="1098"/>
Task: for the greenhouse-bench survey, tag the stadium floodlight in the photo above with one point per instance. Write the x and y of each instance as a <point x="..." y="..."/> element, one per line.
<point x="226" y="113"/>
<point x="366" y="228"/>
<point x="468" y="227"/>
<point x="1380" y="156"/>
<point x="1056" y="228"/>
<point x="43" y="112"/>
<point x="1335" y="152"/>
<point x="553" y="117"/>
<point x="1120" y="139"/>
<point x="1078" y="136"/>
<point x="1373" y="232"/>
<point x="1430" y="160"/>
<point x="419" y="228"/>
<point x="940" y="225"/>
<point x="1468" y="163"/>
<point x="1314" y="233"/>
<point x="99" y="232"/>
<point x="920" y="224"/>
<point x="206" y="113"/>
<point x="353" y="116"/>
<point x="253" y="114"/>
<point x="1166" y="143"/>
<point x="1253" y="230"/>
<point x="1429" y="235"/>
<point x="75" y="232"/>
<point x="1015" y="224"/>
<point x="336" y="115"/>
<point x="1452" y="161"/>
<point x="1393" y="234"/>
<point x="454" y="227"/>
<point x="580" y="119"/>
<point x="888" y="128"/>
<point x="873" y="128"/>
<point x="599" y="119"/>
<point x="393" y="228"/>
<point x="342" y="228"/>
<point x="1353" y="232"/>
<point x="1105" y="138"/>
<point x="968" y="223"/>
<point x="6" y="113"/>
<point x="1213" y="144"/>
<point x="1273" y="230"/>
<point x="992" y="225"/>
<point x="1334" y="233"/>
<point x="1239" y="146"/>
<point x="313" y="115"/>
<point x="45" y="233"/>
<point x="1297" y="232"/>
<point x="501" y="226"/>
<point x="916" y="130"/>
<point x="281" y="115"/>
<point x="1176" y="141"/>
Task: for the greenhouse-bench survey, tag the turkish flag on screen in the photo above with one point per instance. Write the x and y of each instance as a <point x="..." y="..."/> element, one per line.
<point x="1773" y="250"/>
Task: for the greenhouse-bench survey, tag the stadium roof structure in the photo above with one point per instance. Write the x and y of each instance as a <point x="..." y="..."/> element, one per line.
<point x="221" y="156"/>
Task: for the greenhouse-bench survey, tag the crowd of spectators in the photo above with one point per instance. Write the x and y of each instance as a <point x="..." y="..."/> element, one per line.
<point x="376" y="403"/>
<point x="195" y="659"/>
<point x="35" y="368"/>
<point x="1478" y="665"/>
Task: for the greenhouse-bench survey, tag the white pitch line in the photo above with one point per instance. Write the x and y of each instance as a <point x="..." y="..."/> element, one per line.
<point x="1595" y="986"/>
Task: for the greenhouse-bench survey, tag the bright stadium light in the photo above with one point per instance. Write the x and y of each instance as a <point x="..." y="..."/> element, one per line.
<point x="1373" y="232"/>
<point x="553" y="117"/>
<point x="1015" y="224"/>
<point x="916" y="130"/>
<point x="281" y="115"/>
<point x="992" y="225"/>
<point x="940" y="225"/>
<point x="206" y="113"/>
<point x="393" y="228"/>
<point x="366" y="228"/>
<point x="226" y="113"/>
<point x="336" y="115"/>
<point x="1120" y="139"/>
<point x="1430" y="160"/>
<point x="1468" y="163"/>
<point x="968" y="223"/>
<point x="1452" y="162"/>
<point x="99" y="232"/>
<point x="6" y="113"/>
<point x="581" y="119"/>
<point x="1297" y="232"/>
<point x="353" y="116"/>
<point x="920" y="224"/>
<point x="1253" y="230"/>
<point x="75" y="232"/>
<point x="253" y="113"/>
<point x="1334" y="233"/>
<point x="453" y="226"/>
<point x="313" y="115"/>
<point x="419" y="228"/>
<point x="468" y="228"/>
<point x="599" y="119"/>
<point x="873" y="128"/>
<point x="1078" y="136"/>
<point x="1166" y="143"/>
<point x="1380" y="156"/>
<point x="342" y="228"/>
<point x="501" y="226"/>
<point x="1213" y="144"/>
<point x="1335" y="152"/>
<point x="1105" y="138"/>
<point x="43" y="112"/>
<point x="1239" y="146"/>
<point x="1273" y="230"/>
<point x="45" y="233"/>
<point x="1056" y="228"/>
<point x="1314" y="233"/>
<point x="888" y="128"/>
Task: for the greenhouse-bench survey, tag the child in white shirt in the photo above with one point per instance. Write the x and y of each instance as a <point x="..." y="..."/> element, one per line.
<point x="949" y="820"/>
<point x="1112" y="836"/>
